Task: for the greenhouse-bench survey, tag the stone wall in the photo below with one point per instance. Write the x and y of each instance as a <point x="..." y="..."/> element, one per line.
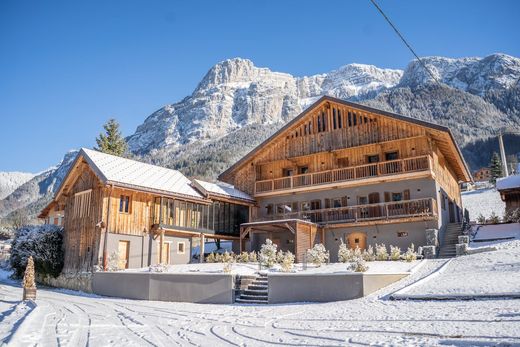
<point x="75" y="281"/>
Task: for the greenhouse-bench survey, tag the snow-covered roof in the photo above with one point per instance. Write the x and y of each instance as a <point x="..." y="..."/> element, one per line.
<point x="508" y="182"/>
<point x="137" y="175"/>
<point x="224" y="190"/>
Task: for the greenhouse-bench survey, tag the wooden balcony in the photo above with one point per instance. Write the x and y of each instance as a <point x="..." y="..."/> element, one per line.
<point x="353" y="173"/>
<point x="421" y="209"/>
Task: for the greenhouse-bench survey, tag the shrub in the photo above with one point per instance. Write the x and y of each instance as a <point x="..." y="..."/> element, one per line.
<point x="6" y="234"/>
<point x="44" y="243"/>
<point x="243" y="257"/>
<point x="113" y="262"/>
<point x="268" y="254"/>
<point x="345" y="254"/>
<point x="253" y="258"/>
<point x="211" y="258"/>
<point x="279" y="256"/>
<point x="358" y="265"/>
<point x="395" y="253"/>
<point x="368" y="254"/>
<point x="318" y="254"/>
<point x="227" y="257"/>
<point x="481" y="219"/>
<point x="228" y="267"/>
<point x="512" y="216"/>
<point x="287" y="261"/>
<point x="494" y="219"/>
<point x="381" y="252"/>
<point x="410" y="254"/>
<point x="158" y="268"/>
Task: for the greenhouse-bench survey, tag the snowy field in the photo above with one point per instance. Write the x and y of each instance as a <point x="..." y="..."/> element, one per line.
<point x="483" y="201"/>
<point x="251" y="268"/>
<point x="67" y="318"/>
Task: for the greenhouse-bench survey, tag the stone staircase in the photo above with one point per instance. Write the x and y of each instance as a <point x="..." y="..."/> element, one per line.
<point x="252" y="289"/>
<point x="451" y="238"/>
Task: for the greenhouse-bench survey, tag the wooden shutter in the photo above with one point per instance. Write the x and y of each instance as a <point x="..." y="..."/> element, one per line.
<point x="344" y="201"/>
<point x="406" y="194"/>
<point x="327" y="203"/>
<point x="388" y="197"/>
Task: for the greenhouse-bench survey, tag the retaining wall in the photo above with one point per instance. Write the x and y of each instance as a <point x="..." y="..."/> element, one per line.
<point x="198" y="288"/>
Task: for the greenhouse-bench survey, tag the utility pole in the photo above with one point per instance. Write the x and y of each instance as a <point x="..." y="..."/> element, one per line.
<point x="503" y="154"/>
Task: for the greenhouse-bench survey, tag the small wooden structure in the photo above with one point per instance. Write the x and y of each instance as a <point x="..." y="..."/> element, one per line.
<point x="509" y="189"/>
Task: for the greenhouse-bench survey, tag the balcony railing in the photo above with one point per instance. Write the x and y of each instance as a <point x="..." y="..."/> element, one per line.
<point x="392" y="167"/>
<point x="372" y="212"/>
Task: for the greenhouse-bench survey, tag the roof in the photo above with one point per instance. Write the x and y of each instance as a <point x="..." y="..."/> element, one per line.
<point x="309" y="109"/>
<point x="510" y="182"/>
<point x="223" y="190"/>
<point x="132" y="174"/>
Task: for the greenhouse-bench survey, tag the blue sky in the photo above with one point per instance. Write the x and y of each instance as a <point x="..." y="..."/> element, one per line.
<point x="68" y="66"/>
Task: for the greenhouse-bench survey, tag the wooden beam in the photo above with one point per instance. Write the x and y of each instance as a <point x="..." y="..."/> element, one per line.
<point x="202" y="244"/>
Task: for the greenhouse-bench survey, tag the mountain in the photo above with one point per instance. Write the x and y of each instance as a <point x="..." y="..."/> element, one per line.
<point x="33" y="195"/>
<point x="9" y="181"/>
<point x="235" y="93"/>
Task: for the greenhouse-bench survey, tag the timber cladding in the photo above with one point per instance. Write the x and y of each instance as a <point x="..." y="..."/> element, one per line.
<point x="334" y="134"/>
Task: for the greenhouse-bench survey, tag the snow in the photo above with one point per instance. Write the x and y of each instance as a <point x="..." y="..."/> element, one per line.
<point x="9" y="181"/>
<point x="508" y="182"/>
<point x="483" y="201"/>
<point x="495" y="231"/>
<point x="488" y="274"/>
<point x="374" y="267"/>
<point x="74" y="319"/>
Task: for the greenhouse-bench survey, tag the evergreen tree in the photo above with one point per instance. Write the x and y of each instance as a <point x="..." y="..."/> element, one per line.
<point x="111" y="142"/>
<point x="496" y="168"/>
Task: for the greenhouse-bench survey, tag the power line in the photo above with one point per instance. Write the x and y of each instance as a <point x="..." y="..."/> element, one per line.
<point x="404" y="40"/>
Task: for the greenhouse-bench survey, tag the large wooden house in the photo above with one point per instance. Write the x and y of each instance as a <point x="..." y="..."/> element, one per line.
<point x="338" y="172"/>
<point x="343" y="172"/>
<point x="134" y="214"/>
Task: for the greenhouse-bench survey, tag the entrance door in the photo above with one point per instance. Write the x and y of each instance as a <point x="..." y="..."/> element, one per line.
<point x="452" y="212"/>
<point x="123" y="249"/>
<point x="357" y="240"/>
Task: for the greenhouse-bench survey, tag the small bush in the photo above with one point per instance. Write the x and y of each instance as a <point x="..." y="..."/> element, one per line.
<point x="481" y="219"/>
<point x="345" y="254"/>
<point x="410" y="254"/>
<point x="268" y="254"/>
<point x="494" y="219"/>
<point x="368" y="254"/>
<point x="279" y="256"/>
<point x="113" y="262"/>
<point x="243" y="257"/>
<point x="44" y="243"/>
<point x="287" y="261"/>
<point x="158" y="268"/>
<point x="229" y="266"/>
<point x="318" y="254"/>
<point x="359" y="265"/>
<point x="253" y="258"/>
<point x="227" y="257"/>
<point x="381" y="252"/>
<point x="395" y="253"/>
<point x="211" y="258"/>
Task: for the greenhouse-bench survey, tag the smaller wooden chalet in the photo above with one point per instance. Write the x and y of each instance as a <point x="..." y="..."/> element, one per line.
<point x="137" y="214"/>
<point x="509" y="189"/>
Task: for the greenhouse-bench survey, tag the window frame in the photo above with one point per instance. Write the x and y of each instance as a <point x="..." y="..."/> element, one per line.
<point x="128" y="199"/>
<point x="183" y="243"/>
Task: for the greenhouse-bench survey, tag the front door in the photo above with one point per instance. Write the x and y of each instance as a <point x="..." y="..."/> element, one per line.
<point x="123" y="249"/>
<point x="357" y="239"/>
<point x="452" y="212"/>
<point x="165" y="253"/>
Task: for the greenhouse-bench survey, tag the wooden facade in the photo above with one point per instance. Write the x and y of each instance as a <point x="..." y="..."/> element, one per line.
<point x="336" y="145"/>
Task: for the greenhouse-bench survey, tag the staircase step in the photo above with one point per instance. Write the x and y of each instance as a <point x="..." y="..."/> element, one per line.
<point x="256" y="291"/>
<point x="242" y="301"/>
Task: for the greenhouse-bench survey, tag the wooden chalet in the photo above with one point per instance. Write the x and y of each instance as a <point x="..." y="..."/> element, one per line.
<point x="509" y="188"/>
<point x="344" y="172"/>
<point x="124" y="213"/>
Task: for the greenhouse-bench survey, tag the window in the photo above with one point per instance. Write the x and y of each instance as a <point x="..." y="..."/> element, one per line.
<point x="269" y="209"/>
<point x="334" y="121"/>
<point x="336" y="203"/>
<point x="288" y="172"/>
<point x="315" y="204"/>
<point x="82" y="204"/>
<point x="303" y="170"/>
<point x="373" y="158"/>
<point x="443" y="202"/>
<point x="306" y="206"/>
<point x="402" y="234"/>
<point x="362" y="200"/>
<point x="392" y="155"/>
<point x="283" y="208"/>
<point x="124" y="204"/>
<point x="181" y="249"/>
<point x="397" y="196"/>
<point x="339" y="119"/>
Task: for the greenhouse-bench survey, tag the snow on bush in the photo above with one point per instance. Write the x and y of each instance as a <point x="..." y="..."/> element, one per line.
<point x="410" y="254"/>
<point x="243" y="257"/>
<point x="512" y="216"/>
<point x="368" y="254"/>
<point x="211" y="258"/>
<point x="381" y="252"/>
<point x="268" y="254"/>
<point x="227" y="257"/>
<point x="345" y="254"/>
<point x="113" y="262"/>
<point x="229" y="265"/>
<point x="253" y="258"/>
<point x="287" y="261"/>
<point x="358" y="265"/>
<point x="158" y="268"/>
<point x="43" y="243"/>
<point x="317" y="254"/>
<point x="395" y="253"/>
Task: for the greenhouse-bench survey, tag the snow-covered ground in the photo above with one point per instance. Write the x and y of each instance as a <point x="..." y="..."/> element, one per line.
<point x="70" y="319"/>
<point x="483" y="201"/>
<point x="491" y="273"/>
<point x="251" y="268"/>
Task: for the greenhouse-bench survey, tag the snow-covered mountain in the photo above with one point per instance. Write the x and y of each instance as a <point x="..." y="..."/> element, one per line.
<point x="35" y="193"/>
<point x="235" y="93"/>
<point x="476" y="76"/>
<point x="9" y="181"/>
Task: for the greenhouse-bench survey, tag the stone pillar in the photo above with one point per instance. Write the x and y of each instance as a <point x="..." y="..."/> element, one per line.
<point x="432" y="237"/>
<point x="429" y="252"/>
<point x="461" y="248"/>
<point x="464" y="239"/>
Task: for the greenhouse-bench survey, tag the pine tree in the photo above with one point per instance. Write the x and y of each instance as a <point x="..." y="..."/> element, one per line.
<point x="28" y="278"/>
<point x="111" y="142"/>
<point x="496" y="168"/>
